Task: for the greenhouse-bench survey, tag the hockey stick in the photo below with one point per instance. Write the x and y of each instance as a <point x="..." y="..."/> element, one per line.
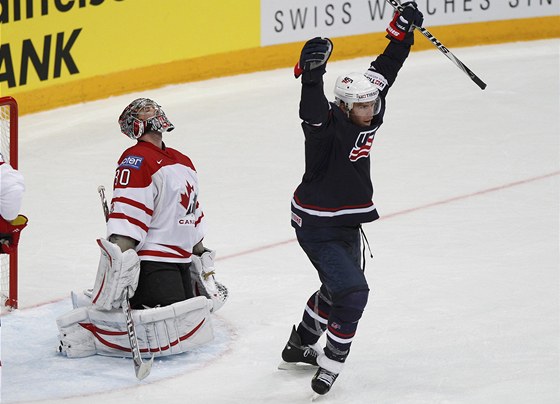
<point x="443" y="49"/>
<point x="141" y="368"/>
<point x="101" y="191"/>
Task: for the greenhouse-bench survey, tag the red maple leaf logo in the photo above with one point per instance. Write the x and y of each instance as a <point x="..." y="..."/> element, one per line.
<point x="186" y="197"/>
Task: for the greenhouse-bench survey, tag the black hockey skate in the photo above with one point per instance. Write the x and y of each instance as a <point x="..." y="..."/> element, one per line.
<point x="296" y="355"/>
<point x="323" y="381"/>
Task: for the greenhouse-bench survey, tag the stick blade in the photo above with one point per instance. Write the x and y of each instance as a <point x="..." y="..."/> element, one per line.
<point x="143" y="368"/>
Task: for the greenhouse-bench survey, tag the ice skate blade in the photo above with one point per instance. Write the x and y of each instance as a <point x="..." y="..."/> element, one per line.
<point x="315" y="396"/>
<point x="299" y="366"/>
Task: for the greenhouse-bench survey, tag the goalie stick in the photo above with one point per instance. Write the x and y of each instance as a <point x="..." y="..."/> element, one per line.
<point x="443" y="49"/>
<point x="101" y="191"/>
<point x="141" y="368"/>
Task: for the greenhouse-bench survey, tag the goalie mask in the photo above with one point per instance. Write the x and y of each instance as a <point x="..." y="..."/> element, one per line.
<point x="356" y="88"/>
<point x="143" y="115"/>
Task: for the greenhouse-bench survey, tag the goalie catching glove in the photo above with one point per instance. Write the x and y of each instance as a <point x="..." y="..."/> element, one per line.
<point x="10" y="232"/>
<point x="203" y="281"/>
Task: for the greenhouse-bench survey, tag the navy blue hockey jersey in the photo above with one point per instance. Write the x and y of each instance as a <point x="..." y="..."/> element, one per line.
<point x="336" y="189"/>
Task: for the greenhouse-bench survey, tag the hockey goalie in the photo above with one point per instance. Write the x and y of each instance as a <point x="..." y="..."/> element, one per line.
<point x="155" y="287"/>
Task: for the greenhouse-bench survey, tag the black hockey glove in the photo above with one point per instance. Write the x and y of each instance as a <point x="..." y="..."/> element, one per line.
<point x="314" y="55"/>
<point x="405" y="22"/>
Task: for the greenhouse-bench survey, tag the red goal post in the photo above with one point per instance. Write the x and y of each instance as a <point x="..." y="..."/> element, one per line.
<point x="9" y="151"/>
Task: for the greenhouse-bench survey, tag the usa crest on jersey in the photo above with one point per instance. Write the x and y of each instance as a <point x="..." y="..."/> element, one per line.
<point x="363" y="144"/>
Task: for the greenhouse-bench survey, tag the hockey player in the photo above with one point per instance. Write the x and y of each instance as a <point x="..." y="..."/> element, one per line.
<point x="154" y="210"/>
<point x="11" y="195"/>
<point x="153" y="254"/>
<point x="335" y="195"/>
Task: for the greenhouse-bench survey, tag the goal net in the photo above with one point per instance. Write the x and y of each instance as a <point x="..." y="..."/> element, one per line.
<point x="8" y="149"/>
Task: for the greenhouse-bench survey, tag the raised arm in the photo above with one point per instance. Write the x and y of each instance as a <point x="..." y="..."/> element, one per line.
<point x="313" y="107"/>
<point x="400" y="33"/>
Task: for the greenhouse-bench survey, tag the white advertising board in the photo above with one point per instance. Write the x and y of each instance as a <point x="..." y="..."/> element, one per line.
<point x="284" y="21"/>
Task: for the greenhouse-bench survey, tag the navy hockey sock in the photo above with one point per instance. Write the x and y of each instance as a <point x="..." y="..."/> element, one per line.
<point x="343" y="322"/>
<point x="315" y="317"/>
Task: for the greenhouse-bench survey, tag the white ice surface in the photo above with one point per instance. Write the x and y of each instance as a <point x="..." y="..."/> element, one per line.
<point x="465" y="280"/>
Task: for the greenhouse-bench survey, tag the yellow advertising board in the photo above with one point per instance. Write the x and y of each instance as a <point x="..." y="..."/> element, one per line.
<point x="52" y="43"/>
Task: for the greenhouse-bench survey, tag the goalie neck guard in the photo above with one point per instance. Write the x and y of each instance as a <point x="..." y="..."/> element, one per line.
<point x="354" y="88"/>
<point x="143" y="115"/>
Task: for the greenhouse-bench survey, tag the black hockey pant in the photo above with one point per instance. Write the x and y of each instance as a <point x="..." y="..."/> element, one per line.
<point x="338" y="305"/>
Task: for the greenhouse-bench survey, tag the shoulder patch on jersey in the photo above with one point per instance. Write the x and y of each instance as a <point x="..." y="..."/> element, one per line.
<point x="377" y="79"/>
<point x="132" y="162"/>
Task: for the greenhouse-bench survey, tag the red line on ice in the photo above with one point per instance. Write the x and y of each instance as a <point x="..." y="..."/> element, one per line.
<point x="404" y="212"/>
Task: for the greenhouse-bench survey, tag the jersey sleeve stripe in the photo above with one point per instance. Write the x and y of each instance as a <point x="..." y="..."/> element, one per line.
<point x="135" y="222"/>
<point x="131" y="202"/>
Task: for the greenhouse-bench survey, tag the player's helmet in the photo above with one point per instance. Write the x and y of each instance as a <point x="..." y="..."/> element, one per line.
<point x="355" y="87"/>
<point x="134" y="127"/>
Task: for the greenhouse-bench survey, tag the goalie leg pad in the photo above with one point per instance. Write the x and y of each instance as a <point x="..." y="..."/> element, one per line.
<point x="116" y="272"/>
<point x="75" y="340"/>
<point x="203" y="281"/>
<point x="175" y="328"/>
<point x="160" y="331"/>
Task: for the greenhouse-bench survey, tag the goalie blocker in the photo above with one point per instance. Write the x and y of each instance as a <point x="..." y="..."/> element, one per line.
<point x="116" y="272"/>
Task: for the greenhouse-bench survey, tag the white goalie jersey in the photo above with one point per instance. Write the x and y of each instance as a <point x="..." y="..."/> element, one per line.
<point x="155" y="201"/>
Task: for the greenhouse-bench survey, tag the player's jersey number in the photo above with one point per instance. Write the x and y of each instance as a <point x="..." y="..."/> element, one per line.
<point x="122" y="177"/>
